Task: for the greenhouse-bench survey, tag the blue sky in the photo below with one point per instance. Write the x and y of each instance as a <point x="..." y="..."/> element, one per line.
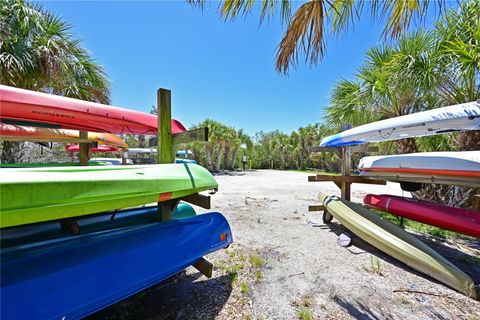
<point x="215" y="69"/>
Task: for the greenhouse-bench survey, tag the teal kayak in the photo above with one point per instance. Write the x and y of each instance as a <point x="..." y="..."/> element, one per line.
<point x="31" y="195"/>
<point x="105" y="221"/>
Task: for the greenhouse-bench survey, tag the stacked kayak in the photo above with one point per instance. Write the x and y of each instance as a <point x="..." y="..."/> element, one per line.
<point x="42" y="194"/>
<point x="398" y="243"/>
<point x="454" y="219"/>
<point x="104" y="221"/>
<point x="20" y="106"/>
<point x="100" y="148"/>
<point x="10" y="132"/>
<point x="69" y="246"/>
<point x="453" y="167"/>
<point x="412" y="170"/>
<point x="460" y="117"/>
<point x="70" y="278"/>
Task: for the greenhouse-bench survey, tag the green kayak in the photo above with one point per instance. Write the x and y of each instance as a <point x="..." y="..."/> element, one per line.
<point x="396" y="242"/>
<point x="31" y="195"/>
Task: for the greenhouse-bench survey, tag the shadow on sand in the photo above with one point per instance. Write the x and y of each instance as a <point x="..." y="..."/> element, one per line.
<point x="180" y="297"/>
<point x="232" y="172"/>
<point x="360" y="312"/>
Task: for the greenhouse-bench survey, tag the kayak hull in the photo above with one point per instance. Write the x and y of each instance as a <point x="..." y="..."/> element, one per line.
<point x="460" y="117"/>
<point x="72" y="278"/>
<point x="101" y="148"/>
<point x="455" y="167"/>
<point x="10" y="132"/>
<point x="37" y="108"/>
<point x="25" y="234"/>
<point x="454" y="219"/>
<point x="398" y="243"/>
<point x="43" y="194"/>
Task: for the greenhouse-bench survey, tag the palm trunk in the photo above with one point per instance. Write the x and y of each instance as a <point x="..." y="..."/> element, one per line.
<point x="209" y="156"/>
<point x="11" y="152"/>
<point x="226" y="158"/>
<point x="234" y="158"/>
<point x="469" y="140"/>
<point x="218" y="164"/>
<point x="408" y="145"/>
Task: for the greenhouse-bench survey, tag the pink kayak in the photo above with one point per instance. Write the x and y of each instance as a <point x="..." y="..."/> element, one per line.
<point x="25" y="107"/>
<point x="100" y="148"/>
<point x="455" y="219"/>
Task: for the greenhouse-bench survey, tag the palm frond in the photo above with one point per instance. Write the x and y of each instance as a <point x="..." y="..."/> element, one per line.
<point x="400" y="14"/>
<point x="305" y="33"/>
<point x="197" y="3"/>
<point x="343" y="14"/>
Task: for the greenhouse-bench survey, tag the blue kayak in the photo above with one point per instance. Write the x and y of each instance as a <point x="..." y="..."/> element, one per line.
<point x="70" y="278"/>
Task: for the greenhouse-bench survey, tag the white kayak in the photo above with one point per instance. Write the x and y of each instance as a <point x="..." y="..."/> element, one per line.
<point x="453" y="167"/>
<point x="460" y="117"/>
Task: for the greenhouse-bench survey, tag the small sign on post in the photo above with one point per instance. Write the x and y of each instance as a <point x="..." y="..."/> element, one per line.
<point x="244" y="157"/>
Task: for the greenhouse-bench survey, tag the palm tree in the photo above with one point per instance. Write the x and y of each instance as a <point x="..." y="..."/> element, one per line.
<point x="306" y="28"/>
<point x="381" y="90"/>
<point x="459" y="54"/>
<point x="37" y="52"/>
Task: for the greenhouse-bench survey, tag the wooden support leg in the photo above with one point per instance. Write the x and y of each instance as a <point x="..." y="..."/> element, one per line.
<point x="84" y="151"/>
<point x="166" y="209"/>
<point x="198" y="200"/>
<point x="346" y="170"/>
<point x="204" y="266"/>
<point x="346" y="190"/>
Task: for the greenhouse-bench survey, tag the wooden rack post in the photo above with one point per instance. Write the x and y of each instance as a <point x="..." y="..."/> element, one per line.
<point x="84" y="149"/>
<point x="345" y="179"/>
<point x="166" y="142"/>
<point x="346" y="170"/>
<point x="164" y="138"/>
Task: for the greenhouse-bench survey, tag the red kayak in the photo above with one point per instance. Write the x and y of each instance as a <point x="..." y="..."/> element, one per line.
<point x="455" y="219"/>
<point x="33" y="108"/>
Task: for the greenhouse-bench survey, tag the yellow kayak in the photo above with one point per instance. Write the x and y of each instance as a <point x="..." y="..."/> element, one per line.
<point x="396" y="242"/>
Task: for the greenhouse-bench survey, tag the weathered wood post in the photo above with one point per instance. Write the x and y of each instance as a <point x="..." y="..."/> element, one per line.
<point x="346" y="170"/>
<point x="164" y="141"/>
<point x="84" y="149"/>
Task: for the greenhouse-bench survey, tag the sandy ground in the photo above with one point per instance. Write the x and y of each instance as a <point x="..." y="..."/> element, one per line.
<point x="286" y="264"/>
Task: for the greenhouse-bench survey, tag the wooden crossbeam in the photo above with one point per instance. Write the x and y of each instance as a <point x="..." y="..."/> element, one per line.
<point x="323" y="149"/>
<point x="204" y="266"/>
<point x="316" y="208"/>
<point x="195" y="135"/>
<point x="198" y="200"/>
<point x="348" y="179"/>
<point x="359" y="148"/>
